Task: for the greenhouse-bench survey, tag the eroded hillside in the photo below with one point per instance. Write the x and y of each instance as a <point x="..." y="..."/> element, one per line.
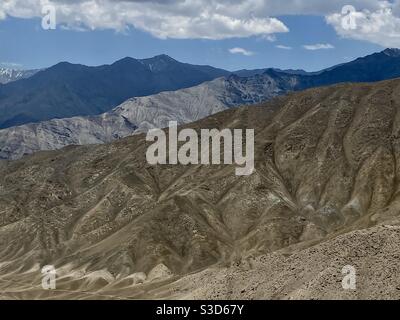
<point x="326" y="164"/>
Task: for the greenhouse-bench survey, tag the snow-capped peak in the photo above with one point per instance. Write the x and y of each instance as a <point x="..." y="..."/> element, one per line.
<point x="8" y="75"/>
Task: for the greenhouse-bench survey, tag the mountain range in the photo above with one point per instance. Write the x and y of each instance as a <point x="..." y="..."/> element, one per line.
<point x="141" y="113"/>
<point x="324" y="195"/>
<point x="67" y="90"/>
<point x="375" y="67"/>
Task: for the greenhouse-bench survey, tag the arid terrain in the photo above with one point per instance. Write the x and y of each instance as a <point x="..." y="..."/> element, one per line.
<point x="324" y="194"/>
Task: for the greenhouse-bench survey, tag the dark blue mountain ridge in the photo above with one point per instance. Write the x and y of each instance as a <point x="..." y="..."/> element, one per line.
<point x="374" y="67"/>
<point x="379" y="66"/>
<point x="67" y="90"/>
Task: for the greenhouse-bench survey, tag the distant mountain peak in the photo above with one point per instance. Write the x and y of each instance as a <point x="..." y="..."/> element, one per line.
<point x="158" y="63"/>
<point x="125" y="61"/>
<point x="163" y="57"/>
<point x="392" y="52"/>
<point x="62" y="64"/>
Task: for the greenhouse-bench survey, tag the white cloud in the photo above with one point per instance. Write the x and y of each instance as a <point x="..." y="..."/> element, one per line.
<point x="318" y="46"/>
<point x="378" y="21"/>
<point x="280" y="46"/>
<point x="241" y="51"/>
<point x="179" y="19"/>
<point x="381" y="26"/>
<point x="310" y="7"/>
<point x="270" y="37"/>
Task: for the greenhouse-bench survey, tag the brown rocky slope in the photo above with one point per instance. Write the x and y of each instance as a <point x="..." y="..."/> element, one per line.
<point x="327" y="164"/>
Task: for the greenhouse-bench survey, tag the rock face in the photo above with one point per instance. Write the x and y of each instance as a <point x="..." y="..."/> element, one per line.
<point x="141" y="114"/>
<point x="9" y="75"/>
<point x="67" y="90"/>
<point x="326" y="166"/>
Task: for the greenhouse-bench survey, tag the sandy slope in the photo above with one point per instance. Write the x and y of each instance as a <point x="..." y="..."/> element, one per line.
<point x="294" y="273"/>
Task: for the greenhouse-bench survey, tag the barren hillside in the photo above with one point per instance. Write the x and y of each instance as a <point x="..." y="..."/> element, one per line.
<point x="116" y="227"/>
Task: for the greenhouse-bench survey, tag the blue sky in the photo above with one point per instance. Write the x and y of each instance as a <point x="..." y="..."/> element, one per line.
<point x="23" y="42"/>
